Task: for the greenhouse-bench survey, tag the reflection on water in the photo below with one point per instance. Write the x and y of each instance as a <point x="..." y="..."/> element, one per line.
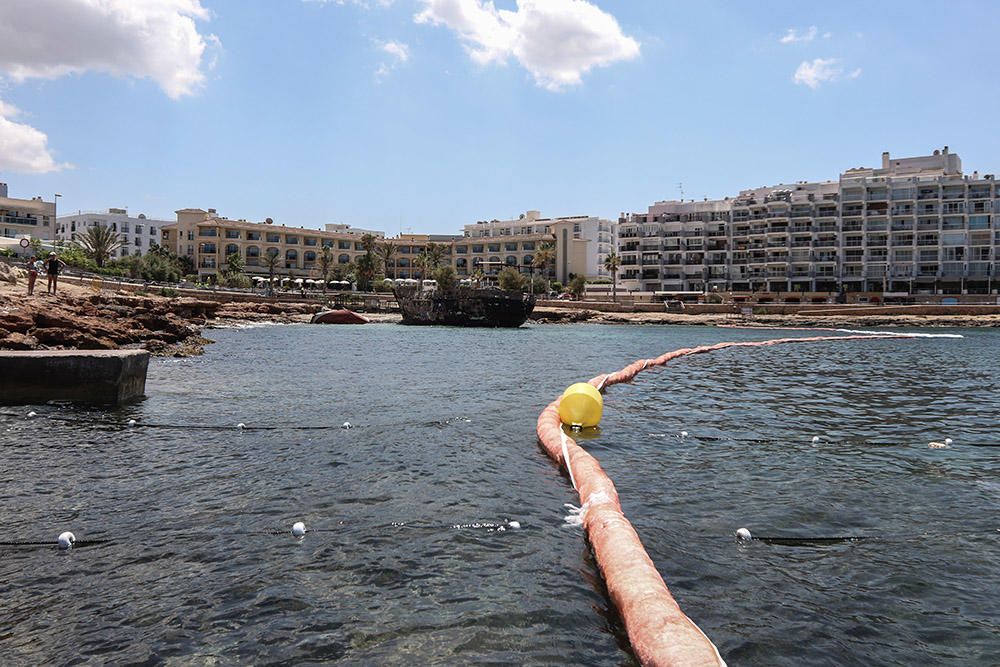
<point x="411" y="556"/>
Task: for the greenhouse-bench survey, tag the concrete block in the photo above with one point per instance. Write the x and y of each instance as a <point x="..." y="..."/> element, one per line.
<point x="81" y="376"/>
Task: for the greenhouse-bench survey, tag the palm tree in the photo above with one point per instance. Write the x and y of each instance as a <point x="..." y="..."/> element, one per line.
<point x="545" y="255"/>
<point x="478" y="277"/>
<point x="611" y="263"/>
<point x="435" y="253"/>
<point x="325" y="265"/>
<point x="271" y="261"/>
<point x="423" y="262"/>
<point x="386" y="252"/>
<point x="100" y="243"/>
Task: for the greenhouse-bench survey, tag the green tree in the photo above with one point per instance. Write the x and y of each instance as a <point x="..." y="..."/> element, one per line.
<point x="386" y="252"/>
<point x="611" y="263"/>
<point x="577" y="286"/>
<point x="545" y="255"/>
<point x="325" y="265"/>
<point x="513" y="280"/>
<point x="446" y="278"/>
<point x="478" y="276"/>
<point x="366" y="265"/>
<point x="233" y="275"/>
<point x="422" y="262"/>
<point x="100" y="243"/>
<point x="272" y="260"/>
<point x="435" y="255"/>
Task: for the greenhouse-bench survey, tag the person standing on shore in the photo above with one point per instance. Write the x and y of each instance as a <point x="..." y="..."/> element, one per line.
<point x="31" y="266"/>
<point x="52" y="268"/>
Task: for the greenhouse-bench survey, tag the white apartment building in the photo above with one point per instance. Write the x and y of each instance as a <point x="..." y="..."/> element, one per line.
<point x="581" y="237"/>
<point x="26" y="218"/>
<point x="913" y="225"/>
<point x="137" y="233"/>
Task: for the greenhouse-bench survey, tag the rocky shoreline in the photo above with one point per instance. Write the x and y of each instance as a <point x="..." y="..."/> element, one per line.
<point x="79" y="318"/>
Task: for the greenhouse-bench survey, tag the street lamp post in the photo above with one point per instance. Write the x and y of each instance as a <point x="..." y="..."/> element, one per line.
<point x="55" y="215"/>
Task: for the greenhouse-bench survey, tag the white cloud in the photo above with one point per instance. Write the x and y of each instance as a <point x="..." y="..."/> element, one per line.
<point x="23" y="148"/>
<point x="155" y="39"/>
<point x="808" y="35"/>
<point x="398" y="50"/>
<point x="364" y="4"/>
<point x="814" y="73"/>
<point x="557" y="41"/>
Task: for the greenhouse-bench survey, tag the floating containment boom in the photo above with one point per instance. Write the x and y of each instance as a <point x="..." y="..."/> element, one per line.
<point x="660" y="633"/>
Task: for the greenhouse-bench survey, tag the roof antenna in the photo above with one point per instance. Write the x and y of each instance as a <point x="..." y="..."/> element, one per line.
<point x="680" y="186"/>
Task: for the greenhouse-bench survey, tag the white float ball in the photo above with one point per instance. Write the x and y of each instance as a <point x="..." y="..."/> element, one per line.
<point x="346" y="425"/>
<point x="66" y="540"/>
<point x="815" y="439"/>
<point x="32" y="414"/>
<point x="241" y="426"/>
<point x="684" y="434"/>
<point x="514" y="524"/>
<point x="298" y="529"/>
<point x="948" y="441"/>
<point x="131" y="422"/>
<point x="743" y="535"/>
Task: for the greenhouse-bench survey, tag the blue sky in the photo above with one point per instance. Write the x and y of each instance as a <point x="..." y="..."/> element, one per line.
<point x="426" y="115"/>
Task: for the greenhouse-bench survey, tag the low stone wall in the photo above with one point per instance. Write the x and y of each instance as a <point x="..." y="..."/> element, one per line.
<point x="110" y="377"/>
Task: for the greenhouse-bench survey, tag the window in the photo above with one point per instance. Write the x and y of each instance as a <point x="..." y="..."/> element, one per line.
<point x="309" y="256"/>
<point x="477" y="248"/>
<point x="273" y="238"/>
<point x="232" y="233"/>
<point x="344" y="259"/>
<point x="494" y="247"/>
<point x="310" y="241"/>
<point x="528" y="245"/>
<point x="510" y="247"/>
<point x="344" y="245"/>
<point x="291" y="240"/>
<point x="253" y="236"/>
<point x="253" y="251"/>
<point x="461" y="249"/>
<point x="291" y="255"/>
<point x="232" y="249"/>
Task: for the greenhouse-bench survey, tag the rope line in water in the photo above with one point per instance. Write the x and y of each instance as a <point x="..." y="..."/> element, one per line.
<point x="660" y="633"/>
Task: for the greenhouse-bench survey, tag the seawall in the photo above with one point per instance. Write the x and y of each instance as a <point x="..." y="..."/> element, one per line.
<point x="110" y="377"/>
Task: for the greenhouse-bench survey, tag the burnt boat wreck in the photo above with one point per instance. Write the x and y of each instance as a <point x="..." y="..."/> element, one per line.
<point x="464" y="306"/>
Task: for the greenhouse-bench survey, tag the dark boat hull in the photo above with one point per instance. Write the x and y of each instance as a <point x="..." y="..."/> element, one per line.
<point x="473" y="308"/>
<point x="341" y="316"/>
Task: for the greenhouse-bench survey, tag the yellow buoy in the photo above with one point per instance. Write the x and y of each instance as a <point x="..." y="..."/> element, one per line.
<point x="581" y="405"/>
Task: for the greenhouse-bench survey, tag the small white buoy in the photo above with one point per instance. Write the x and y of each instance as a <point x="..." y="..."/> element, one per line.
<point x="514" y="524"/>
<point x="345" y="425"/>
<point x="131" y="422"/>
<point x="241" y="426"/>
<point x="815" y="440"/>
<point x="743" y="535"/>
<point x="32" y="414"/>
<point x="66" y="540"/>
<point x="684" y="434"/>
<point x="941" y="445"/>
<point x="298" y="529"/>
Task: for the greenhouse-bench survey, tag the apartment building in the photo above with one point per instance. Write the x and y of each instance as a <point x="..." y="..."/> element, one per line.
<point x="208" y="239"/>
<point x="581" y="245"/>
<point x="137" y="233"/>
<point x="913" y="225"/>
<point x="27" y="218"/>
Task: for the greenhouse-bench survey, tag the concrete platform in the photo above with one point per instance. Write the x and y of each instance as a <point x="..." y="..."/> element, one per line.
<point x="80" y="376"/>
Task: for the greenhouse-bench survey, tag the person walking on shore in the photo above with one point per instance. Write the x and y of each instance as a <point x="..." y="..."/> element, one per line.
<point x="31" y="266"/>
<point x="52" y="268"/>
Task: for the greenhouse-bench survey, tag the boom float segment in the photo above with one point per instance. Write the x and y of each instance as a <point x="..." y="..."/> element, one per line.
<point x="660" y="633"/>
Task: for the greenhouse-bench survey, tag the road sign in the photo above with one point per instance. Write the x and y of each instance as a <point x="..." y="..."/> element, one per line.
<point x="25" y="243"/>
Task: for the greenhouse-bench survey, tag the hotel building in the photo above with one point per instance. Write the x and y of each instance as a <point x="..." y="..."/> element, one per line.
<point x="30" y="218"/>
<point x="208" y="239"/>
<point x="581" y="244"/>
<point x="914" y="225"/>
<point x="136" y="233"/>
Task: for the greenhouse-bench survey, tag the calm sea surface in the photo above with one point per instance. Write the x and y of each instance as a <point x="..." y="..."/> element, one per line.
<point x="408" y="563"/>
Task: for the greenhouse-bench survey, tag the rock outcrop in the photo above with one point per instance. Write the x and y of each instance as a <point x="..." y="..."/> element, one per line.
<point x="79" y="319"/>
